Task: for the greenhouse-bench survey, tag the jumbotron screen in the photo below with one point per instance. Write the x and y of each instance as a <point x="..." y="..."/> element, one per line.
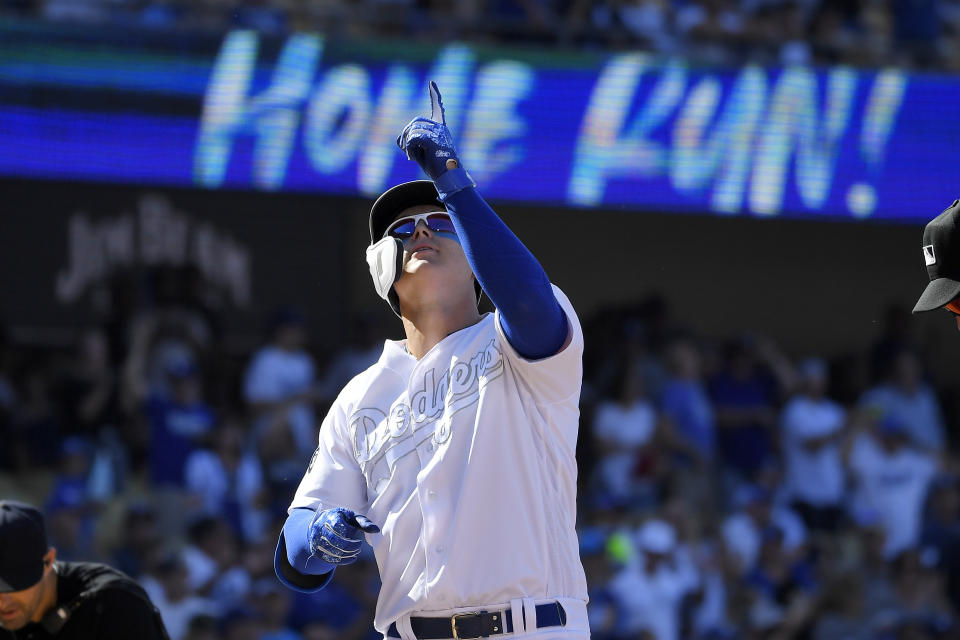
<point x="313" y="114"/>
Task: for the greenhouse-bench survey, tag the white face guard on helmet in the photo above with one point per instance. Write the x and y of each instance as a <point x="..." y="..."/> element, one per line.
<point x="385" y="259"/>
<point x="385" y="254"/>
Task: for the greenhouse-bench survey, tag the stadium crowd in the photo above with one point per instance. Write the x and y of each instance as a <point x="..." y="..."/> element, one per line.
<point x="727" y="490"/>
<point x="914" y="33"/>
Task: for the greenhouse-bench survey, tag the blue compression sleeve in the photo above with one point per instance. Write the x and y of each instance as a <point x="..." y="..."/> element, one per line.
<point x="293" y="563"/>
<point x="532" y="319"/>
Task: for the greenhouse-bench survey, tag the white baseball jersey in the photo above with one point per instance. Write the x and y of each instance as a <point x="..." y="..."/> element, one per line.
<point x="465" y="459"/>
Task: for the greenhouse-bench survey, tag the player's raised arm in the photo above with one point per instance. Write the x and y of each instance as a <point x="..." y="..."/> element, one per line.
<point x="530" y="315"/>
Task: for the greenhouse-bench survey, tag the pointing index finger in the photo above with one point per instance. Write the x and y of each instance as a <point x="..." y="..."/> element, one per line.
<point x="436" y="105"/>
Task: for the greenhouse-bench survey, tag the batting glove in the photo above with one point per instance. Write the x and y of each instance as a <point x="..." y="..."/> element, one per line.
<point x="429" y="143"/>
<point x="335" y="535"/>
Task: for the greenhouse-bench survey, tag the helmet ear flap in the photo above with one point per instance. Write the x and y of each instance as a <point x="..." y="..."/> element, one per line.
<point x="385" y="260"/>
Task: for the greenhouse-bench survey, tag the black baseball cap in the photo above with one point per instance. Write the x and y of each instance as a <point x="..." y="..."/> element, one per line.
<point x="396" y="199"/>
<point x="23" y="543"/>
<point x="941" y="253"/>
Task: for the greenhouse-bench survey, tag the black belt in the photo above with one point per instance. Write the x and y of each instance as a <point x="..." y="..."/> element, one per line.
<point x="478" y="624"/>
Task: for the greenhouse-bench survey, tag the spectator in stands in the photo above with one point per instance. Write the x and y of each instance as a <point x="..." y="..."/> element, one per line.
<point x="745" y="394"/>
<point x="272" y="602"/>
<point x="280" y="386"/>
<point x="650" y="592"/>
<point x="178" y="424"/>
<point x="782" y="587"/>
<point x="227" y="481"/>
<point x="685" y="401"/>
<point x="940" y="535"/>
<point x="743" y="530"/>
<point x="140" y="541"/>
<point x="202" y="627"/>
<point x="910" y="400"/>
<point x="625" y="427"/>
<point x="211" y="551"/>
<point x="843" y="612"/>
<point x="891" y="477"/>
<point x="87" y="387"/>
<point x="170" y="592"/>
<point x="361" y="351"/>
<point x="812" y="426"/>
<point x="917" y="30"/>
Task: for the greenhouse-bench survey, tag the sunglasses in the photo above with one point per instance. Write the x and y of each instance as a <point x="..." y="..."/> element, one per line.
<point x="404" y="227"/>
<point x="953" y="307"/>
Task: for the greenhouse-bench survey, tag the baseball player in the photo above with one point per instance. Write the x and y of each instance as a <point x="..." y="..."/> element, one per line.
<point x="941" y="254"/>
<point x="454" y="453"/>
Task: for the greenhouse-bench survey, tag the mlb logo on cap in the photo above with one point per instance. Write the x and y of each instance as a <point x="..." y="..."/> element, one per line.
<point x="941" y="254"/>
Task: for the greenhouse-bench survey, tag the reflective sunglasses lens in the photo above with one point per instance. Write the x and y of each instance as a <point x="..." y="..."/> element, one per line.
<point x="402" y="228"/>
<point x="441" y="222"/>
<point x="953" y="307"/>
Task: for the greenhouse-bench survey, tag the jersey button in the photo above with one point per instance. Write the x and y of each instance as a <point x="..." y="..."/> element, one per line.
<point x="431" y="494"/>
<point x="439" y="548"/>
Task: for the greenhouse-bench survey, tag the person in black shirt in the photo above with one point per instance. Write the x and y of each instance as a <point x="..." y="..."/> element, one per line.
<point x="42" y="598"/>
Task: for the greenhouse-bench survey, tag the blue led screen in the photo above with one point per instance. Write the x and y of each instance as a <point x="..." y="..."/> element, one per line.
<point x="310" y="114"/>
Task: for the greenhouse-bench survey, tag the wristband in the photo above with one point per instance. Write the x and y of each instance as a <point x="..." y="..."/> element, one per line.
<point x="451" y="181"/>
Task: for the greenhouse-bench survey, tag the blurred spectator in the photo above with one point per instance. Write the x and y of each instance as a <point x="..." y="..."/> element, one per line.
<point x="625" y="427"/>
<point x="70" y="511"/>
<point x="651" y="591"/>
<point x="843" y="611"/>
<point x="685" y="401"/>
<point x="272" y="602"/>
<point x="744" y="530"/>
<point x="241" y="624"/>
<point x="209" y="555"/>
<point x="745" y="394"/>
<point x="177" y="424"/>
<point x="169" y="590"/>
<point x="917" y="29"/>
<point x="920" y="589"/>
<point x="892" y="477"/>
<point x="77" y="10"/>
<point x="940" y="535"/>
<point x="87" y="387"/>
<point x="812" y="426"/>
<point x="139" y="546"/>
<point x="280" y="387"/>
<point x="226" y="481"/>
<point x="318" y="630"/>
<point x="361" y="351"/>
<point x="260" y="15"/>
<point x="910" y="400"/>
<point x="782" y="587"/>
<point x="711" y="29"/>
<point x="202" y="627"/>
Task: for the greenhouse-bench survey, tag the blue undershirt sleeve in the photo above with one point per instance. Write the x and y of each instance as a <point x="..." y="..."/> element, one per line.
<point x="293" y="563"/>
<point x="530" y="315"/>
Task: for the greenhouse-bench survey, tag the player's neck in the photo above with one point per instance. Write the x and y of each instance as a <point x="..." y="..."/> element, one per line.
<point x="426" y="329"/>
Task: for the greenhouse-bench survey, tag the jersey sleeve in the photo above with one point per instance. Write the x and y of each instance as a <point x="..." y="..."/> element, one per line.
<point x="333" y="477"/>
<point x="556" y="378"/>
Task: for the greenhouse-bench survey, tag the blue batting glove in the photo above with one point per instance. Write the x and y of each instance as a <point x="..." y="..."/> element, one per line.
<point x="429" y="143"/>
<point x="335" y="535"/>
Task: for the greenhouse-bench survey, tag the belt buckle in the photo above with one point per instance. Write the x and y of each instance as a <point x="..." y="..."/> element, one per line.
<point x="453" y="623"/>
